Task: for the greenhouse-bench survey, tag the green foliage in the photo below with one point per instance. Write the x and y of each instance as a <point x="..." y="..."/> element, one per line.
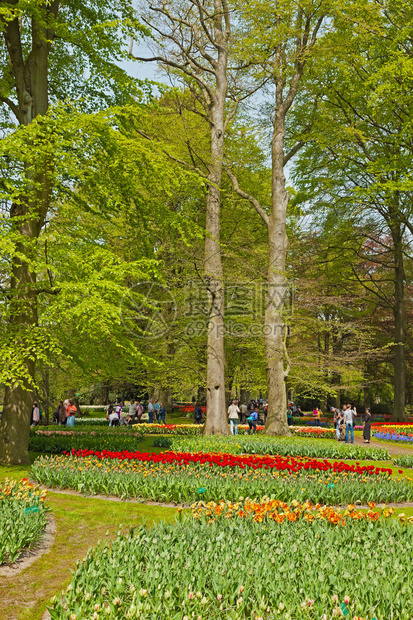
<point x="106" y="181"/>
<point x="162" y="442"/>
<point x="404" y="460"/>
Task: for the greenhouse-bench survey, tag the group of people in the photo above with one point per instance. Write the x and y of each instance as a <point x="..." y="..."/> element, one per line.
<point x="249" y="414"/>
<point x="136" y="414"/>
<point x="345" y="421"/>
<point x="64" y="414"/>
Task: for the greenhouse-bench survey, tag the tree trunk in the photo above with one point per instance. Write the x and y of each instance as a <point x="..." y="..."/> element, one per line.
<point x="18" y="400"/>
<point x="46" y="388"/>
<point x="244" y="396"/>
<point x="276" y="423"/>
<point x="31" y="87"/>
<point x="274" y="335"/>
<point x="105" y="393"/>
<point x="216" y="420"/>
<point x="398" y="414"/>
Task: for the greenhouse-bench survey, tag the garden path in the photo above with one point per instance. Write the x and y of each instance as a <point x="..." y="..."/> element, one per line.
<point x="394" y="449"/>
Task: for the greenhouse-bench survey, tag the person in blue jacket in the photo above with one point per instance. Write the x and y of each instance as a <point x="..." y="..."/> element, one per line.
<point x="252" y="421"/>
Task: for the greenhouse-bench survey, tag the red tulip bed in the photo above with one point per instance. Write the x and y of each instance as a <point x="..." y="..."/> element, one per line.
<point x="186" y="477"/>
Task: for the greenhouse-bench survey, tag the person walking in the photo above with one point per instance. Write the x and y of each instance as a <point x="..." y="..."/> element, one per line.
<point x="348" y="421"/>
<point x="316" y="415"/>
<point x="162" y="414"/>
<point x="252" y="421"/>
<point x="233" y="412"/>
<point x="289" y="415"/>
<point x="157" y="408"/>
<point x="119" y="409"/>
<point x="61" y="413"/>
<point x="139" y="411"/>
<point x="36" y="413"/>
<point x="338" y="418"/>
<point x="367" y="426"/>
<point x="132" y="409"/>
<point x="198" y="414"/>
<point x="70" y="414"/>
<point x="151" y="411"/>
<point x="243" y="409"/>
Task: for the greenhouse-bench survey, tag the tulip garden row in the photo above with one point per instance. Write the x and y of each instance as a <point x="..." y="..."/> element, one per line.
<point x="239" y="569"/>
<point x="60" y="440"/>
<point x="184" y="478"/>
<point x="404" y="460"/>
<point x="23" y="516"/>
<point x="393" y="432"/>
<point x="193" y="429"/>
<point x="284" y="446"/>
<point x="276" y="510"/>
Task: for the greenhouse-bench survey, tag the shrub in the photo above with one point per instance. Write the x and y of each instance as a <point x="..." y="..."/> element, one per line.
<point x="162" y="442"/>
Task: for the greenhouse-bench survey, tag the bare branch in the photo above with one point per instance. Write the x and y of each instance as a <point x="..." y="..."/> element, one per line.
<point x="255" y="203"/>
<point x="181" y="67"/>
<point x="13" y="107"/>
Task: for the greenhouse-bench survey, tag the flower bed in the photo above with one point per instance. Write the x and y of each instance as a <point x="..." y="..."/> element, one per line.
<point x="57" y="440"/>
<point x="239" y="571"/>
<point x="292" y="446"/>
<point x="184" y="478"/>
<point x="313" y="431"/>
<point x="391" y="436"/>
<point x="184" y="429"/>
<point x="394" y="432"/>
<point x="309" y="420"/>
<point x="276" y="510"/>
<point x="23" y="516"/>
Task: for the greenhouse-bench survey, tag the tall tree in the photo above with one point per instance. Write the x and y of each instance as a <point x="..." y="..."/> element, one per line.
<point x="360" y="156"/>
<point x="194" y="41"/>
<point x="43" y="46"/>
<point x="279" y="39"/>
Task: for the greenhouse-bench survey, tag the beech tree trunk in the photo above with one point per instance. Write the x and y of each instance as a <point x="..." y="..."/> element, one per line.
<point x="27" y="217"/>
<point x="216" y="419"/>
<point x="18" y="399"/>
<point x="398" y="413"/>
<point x="276" y="423"/>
